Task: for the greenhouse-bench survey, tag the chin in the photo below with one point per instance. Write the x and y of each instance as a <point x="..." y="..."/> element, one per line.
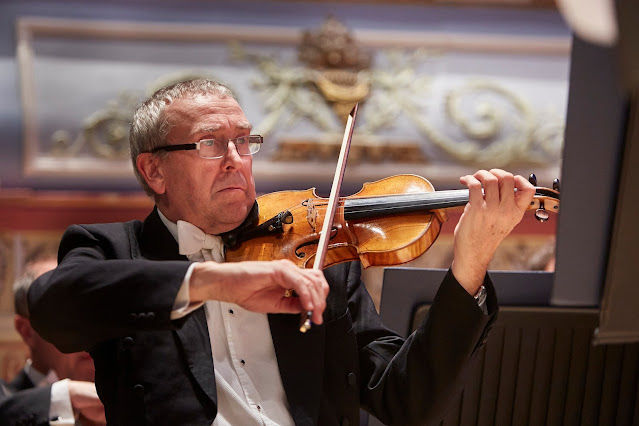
<point x="234" y="221"/>
<point x="235" y="201"/>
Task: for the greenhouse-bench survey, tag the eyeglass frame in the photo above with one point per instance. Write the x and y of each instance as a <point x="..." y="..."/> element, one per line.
<point x="196" y="145"/>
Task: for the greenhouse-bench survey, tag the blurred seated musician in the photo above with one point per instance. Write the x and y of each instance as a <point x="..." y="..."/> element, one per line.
<point x="544" y="258"/>
<point x="53" y="388"/>
<point x="181" y="337"/>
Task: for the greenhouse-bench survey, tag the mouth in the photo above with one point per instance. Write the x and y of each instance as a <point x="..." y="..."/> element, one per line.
<point x="231" y="188"/>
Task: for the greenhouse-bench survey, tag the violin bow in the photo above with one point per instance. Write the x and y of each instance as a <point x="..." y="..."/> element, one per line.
<point x="322" y="246"/>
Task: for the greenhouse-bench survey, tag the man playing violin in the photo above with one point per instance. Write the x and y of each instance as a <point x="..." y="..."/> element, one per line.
<point x="180" y="337"/>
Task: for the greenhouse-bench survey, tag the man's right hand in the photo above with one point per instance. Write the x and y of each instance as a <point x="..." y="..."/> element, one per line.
<point x="86" y="403"/>
<point x="261" y="286"/>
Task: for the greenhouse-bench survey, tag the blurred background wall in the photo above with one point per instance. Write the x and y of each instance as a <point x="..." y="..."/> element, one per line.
<point x="445" y="89"/>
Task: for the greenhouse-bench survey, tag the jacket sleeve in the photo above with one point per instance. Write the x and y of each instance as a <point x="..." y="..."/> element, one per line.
<point x="101" y="291"/>
<point x="26" y="407"/>
<point x="415" y="381"/>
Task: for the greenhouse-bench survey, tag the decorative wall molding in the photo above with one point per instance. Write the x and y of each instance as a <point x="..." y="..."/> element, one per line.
<point x="537" y="4"/>
<point x="60" y="142"/>
<point x="30" y="27"/>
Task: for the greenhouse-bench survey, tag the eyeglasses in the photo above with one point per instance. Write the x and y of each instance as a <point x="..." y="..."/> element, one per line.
<point x="212" y="148"/>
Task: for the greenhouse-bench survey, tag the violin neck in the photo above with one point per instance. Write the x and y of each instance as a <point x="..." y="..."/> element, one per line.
<point x="370" y="207"/>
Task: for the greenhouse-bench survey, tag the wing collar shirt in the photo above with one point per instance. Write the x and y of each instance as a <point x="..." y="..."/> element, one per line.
<point x="247" y="377"/>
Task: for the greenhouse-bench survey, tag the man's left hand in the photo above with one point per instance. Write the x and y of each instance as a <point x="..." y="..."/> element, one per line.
<point x="488" y="218"/>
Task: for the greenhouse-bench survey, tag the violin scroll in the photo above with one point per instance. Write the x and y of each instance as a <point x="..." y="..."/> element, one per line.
<point x="545" y="199"/>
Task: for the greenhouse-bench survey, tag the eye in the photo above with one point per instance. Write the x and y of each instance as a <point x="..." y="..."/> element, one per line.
<point x="208" y="142"/>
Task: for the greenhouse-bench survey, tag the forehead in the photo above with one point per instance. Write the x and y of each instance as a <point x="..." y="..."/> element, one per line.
<point x="204" y="113"/>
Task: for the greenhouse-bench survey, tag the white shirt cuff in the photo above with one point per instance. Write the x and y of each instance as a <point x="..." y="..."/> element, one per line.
<point x="481" y="297"/>
<point x="182" y="305"/>
<point x="60" y="410"/>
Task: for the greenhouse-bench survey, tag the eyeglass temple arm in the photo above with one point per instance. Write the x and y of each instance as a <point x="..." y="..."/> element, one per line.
<point x="181" y="147"/>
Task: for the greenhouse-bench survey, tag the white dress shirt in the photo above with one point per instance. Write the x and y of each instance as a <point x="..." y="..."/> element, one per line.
<point x="247" y="377"/>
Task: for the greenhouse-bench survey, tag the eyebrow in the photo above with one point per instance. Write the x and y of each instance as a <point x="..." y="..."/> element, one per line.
<point x="215" y="128"/>
<point x="244" y="125"/>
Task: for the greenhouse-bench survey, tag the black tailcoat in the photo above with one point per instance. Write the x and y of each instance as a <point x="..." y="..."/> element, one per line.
<point x="112" y="295"/>
<point x="24" y="404"/>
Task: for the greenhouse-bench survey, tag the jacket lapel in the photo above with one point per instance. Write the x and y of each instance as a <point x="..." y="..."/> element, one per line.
<point x="157" y="243"/>
<point x="21" y="381"/>
<point x="193" y="335"/>
<point x="299" y="357"/>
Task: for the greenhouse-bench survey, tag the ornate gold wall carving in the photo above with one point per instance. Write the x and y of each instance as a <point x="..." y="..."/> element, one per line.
<point x="497" y="126"/>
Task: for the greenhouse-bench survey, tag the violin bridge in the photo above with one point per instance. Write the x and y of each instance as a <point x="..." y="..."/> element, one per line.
<point x="311" y="215"/>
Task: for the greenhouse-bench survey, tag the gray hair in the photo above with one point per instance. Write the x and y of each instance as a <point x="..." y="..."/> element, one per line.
<point x="20" y="291"/>
<point x="150" y="127"/>
<point x="21" y="284"/>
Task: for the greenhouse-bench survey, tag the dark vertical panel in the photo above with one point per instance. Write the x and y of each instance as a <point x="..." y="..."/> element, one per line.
<point x="525" y="375"/>
<point x="508" y="376"/>
<point x="471" y="397"/>
<point x="559" y="378"/>
<point x="628" y="384"/>
<point x="592" y="389"/>
<point x="543" y="369"/>
<point x="610" y="384"/>
<point x="635" y="417"/>
<point x="619" y="312"/>
<point x="627" y="12"/>
<point x="490" y="381"/>
<point x="593" y="144"/>
<point x="452" y="415"/>
<point x="539" y="367"/>
<point x="577" y="376"/>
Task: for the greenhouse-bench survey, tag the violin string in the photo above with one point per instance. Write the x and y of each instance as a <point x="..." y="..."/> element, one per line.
<point x="410" y="200"/>
<point x="361" y="207"/>
<point x="422" y="198"/>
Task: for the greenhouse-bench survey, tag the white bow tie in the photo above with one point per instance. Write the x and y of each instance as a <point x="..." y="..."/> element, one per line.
<point x="197" y="245"/>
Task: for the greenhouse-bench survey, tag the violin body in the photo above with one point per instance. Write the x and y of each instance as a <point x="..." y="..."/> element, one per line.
<point x="391" y="238"/>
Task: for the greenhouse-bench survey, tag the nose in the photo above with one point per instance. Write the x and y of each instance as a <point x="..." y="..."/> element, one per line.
<point x="232" y="158"/>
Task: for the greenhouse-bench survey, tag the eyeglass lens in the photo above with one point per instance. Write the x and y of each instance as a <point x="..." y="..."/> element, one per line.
<point x="245" y="145"/>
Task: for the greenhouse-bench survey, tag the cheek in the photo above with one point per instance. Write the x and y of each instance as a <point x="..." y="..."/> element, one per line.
<point x="252" y="193"/>
<point x="185" y="178"/>
<point x="248" y="175"/>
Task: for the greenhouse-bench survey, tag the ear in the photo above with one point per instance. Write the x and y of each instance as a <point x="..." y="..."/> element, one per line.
<point x="23" y="327"/>
<point x="150" y="167"/>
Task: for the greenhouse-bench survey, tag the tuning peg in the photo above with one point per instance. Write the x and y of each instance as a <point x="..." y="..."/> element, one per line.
<point x="555" y="185"/>
<point x="532" y="179"/>
<point x="541" y="214"/>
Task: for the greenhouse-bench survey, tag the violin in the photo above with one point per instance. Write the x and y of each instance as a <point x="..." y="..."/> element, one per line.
<point x="388" y="222"/>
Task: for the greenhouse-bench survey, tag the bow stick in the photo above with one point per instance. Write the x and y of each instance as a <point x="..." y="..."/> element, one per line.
<point x="322" y="246"/>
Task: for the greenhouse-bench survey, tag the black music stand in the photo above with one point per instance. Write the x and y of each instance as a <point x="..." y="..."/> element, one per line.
<point x="404" y="289"/>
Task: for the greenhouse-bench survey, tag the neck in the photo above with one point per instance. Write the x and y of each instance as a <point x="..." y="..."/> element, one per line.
<point x="39" y="365"/>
